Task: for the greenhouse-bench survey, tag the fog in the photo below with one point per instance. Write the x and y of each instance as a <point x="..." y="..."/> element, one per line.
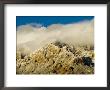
<point x="31" y="37"/>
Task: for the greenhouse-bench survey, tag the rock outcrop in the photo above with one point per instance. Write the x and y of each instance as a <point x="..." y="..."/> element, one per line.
<point x="56" y="58"/>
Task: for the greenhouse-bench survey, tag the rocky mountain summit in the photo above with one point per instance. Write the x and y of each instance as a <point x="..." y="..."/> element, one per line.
<point x="57" y="58"/>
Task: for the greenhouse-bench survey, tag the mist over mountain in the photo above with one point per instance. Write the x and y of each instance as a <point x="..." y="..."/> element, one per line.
<point x="37" y="36"/>
<point x="55" y="49"/>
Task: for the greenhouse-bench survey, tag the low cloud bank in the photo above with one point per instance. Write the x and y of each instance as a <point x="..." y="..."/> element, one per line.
<point x="37" y="36"/>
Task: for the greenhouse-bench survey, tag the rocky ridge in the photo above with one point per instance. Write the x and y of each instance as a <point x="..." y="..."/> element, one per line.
<point x="57" y="58"/>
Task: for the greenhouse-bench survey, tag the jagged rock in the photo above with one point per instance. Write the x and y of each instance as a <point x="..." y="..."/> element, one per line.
<point x="56" y="58"/>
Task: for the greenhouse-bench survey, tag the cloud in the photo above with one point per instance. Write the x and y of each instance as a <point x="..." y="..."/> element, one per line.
<point x="35" y="37"/>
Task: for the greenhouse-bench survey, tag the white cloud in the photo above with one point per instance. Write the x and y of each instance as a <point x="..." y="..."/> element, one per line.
<point x="35" y="37"/>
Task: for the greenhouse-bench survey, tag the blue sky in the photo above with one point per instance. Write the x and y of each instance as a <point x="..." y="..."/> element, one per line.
<point x="48" y="20"/>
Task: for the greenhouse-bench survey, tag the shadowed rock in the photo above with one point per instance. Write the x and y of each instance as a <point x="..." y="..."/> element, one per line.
<point x="87" y="61"/>
<point x="61" y="45"/>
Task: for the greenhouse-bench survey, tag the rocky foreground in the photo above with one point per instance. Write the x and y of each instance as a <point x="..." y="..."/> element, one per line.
<point x="56" y="58"/>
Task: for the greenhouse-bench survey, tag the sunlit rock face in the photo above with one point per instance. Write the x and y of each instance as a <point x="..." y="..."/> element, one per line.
<point x="56" y="58"/>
